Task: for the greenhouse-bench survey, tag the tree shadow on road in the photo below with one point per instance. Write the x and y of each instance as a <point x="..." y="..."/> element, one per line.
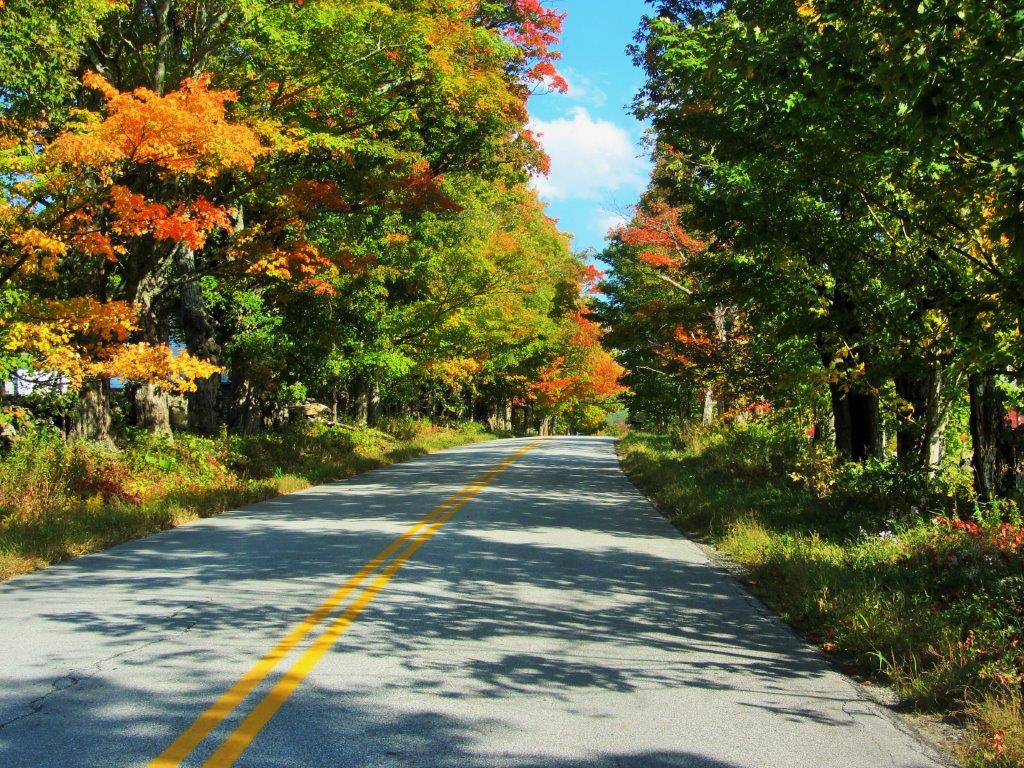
<point x="556" y="584"/>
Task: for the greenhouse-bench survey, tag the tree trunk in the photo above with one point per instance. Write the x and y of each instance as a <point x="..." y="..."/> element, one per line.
<point x="373" y="403"/>
<point x="919" y="439"/>
<point x="718" y="317"/>
<point x="151" y="404"/>
<point x="246" y="407"/>
<point x="92" y="412"/>
<point x="203" y="410"/>
<point x="856" y="424"/>
<point x="144" y="288"/>
<point x="708" y="414"/>
<point x="161" y="15"/>
<point x="865" y="428"/>
<point x="197" y="326"/>
<point x="516" y="420"/>
<point x="361" y="401"/>
<point x="152" y="409"/>
<point x="995" y="465"/>
<point x="841" y="425"/>
<point x="499" y="417"/>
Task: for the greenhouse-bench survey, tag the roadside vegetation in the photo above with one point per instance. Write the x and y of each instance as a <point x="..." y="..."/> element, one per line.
<point x="62" y="499"/>
<point x="879" y="571"/>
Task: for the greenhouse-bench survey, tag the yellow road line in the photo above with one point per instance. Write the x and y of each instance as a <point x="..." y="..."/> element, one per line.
<point x="230" y="699"/>
<point x="223" y="706"/>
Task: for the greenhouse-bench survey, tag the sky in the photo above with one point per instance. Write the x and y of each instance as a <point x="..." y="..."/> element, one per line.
<point x="599" y="167"/>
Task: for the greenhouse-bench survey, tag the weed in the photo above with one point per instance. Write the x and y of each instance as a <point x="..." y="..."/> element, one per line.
<point x="863" y="559"/>
<point x="60" y="500"/>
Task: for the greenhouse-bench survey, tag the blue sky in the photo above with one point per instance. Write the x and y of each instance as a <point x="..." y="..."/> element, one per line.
<point x="598" y="164"/>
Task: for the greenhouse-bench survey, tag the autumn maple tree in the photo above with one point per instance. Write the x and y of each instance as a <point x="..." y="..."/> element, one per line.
<point x="74" y="219"/>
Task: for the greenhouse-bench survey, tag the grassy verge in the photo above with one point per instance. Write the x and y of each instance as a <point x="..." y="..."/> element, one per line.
<point x="864" y="565"/>
<point x="60" y="500"/>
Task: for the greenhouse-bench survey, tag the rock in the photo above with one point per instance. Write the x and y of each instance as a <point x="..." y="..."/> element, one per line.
<point x="8" y="434"/>
<point x="315" y="412"/>
<point x="177" y="408"/>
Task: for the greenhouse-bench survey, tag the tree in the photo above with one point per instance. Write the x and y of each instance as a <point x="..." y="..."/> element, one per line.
<point x="854" y="146"/>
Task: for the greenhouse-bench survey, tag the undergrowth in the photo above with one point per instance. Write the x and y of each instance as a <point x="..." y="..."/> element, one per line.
<point x="63" y="499"/>
<point x="869" y="563"/>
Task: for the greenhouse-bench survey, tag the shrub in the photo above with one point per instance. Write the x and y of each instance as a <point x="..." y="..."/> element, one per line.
<point x="406" y="427"/>
<point x="42" y="472"/>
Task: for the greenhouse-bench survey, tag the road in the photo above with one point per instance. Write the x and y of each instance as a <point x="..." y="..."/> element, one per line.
<point x="544" y="617"/>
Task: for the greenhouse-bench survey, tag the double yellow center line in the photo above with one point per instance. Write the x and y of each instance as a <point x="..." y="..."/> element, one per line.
<point x="240" y="739"/>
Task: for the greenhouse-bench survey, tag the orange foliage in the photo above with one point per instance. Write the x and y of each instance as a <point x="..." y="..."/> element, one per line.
<point x="156" y="365"/>
<point x="309" y="196"/>
<point x="423" y="190"/>
<point x="185" y="131"/>
<point x="604" y="378"/>
<point x="83" y="338"/>
<point x="691" y="347"/>
<point x="536" y="32"/>
<point x="553" y="384"/>
<point x="587" y="373"/>
<point x="42" y="252"/>
<point x="592" y="277"/>
<point x="184" y="135"/>
<point x="660" y="239"/>
<point x="189" y="224"/>
<point x="454" y="371"/>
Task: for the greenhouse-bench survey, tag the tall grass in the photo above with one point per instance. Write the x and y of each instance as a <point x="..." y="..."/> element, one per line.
<point x="61" y="499"/>
<point x="865" y="561"/>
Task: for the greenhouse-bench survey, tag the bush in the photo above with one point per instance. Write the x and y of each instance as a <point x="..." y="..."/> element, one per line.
<point x="406" y="427"/>
<point x="44" y="473"/>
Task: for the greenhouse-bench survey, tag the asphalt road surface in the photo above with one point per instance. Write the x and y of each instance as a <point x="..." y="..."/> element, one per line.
<point x="510" y="604"/>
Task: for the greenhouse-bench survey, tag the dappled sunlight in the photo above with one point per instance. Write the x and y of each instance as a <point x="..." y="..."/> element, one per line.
<point x="536" y="612"/>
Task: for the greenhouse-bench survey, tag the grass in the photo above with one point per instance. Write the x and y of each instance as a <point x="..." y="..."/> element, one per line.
<point x="60" y="500"/>
<point x="865" y="562"/>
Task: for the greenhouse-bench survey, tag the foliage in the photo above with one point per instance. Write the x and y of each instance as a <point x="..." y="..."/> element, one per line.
<point x="61" y="499"/>
<point x="831" y="223"/>
<point x="320" y="200"/>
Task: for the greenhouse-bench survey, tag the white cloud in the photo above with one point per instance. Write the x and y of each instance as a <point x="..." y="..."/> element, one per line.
<point x="584" y="90"/>
<point x="589" y="158"/>
<point x="609" y="220"/>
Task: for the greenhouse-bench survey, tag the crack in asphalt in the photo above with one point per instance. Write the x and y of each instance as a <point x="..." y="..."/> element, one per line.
<point x="73" y="678"/>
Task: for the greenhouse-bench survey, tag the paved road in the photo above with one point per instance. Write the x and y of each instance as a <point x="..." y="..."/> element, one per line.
<point x="555" y="620"/>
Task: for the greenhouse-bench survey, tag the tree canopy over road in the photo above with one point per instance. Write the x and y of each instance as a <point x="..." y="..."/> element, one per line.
<point x="311" y="200"/>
